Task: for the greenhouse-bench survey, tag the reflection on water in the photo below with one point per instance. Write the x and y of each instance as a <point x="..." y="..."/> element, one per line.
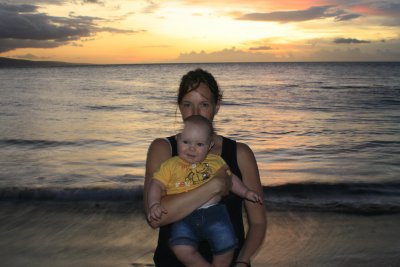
<point x="81" y="126"/>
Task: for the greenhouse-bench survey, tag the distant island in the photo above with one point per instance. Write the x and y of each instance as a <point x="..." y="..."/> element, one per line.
<point x="11" y="62"/>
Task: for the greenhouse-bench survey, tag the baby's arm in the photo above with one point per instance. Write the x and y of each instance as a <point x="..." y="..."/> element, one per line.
<point x="240" y="189"/>
<point x="156" y="189"/>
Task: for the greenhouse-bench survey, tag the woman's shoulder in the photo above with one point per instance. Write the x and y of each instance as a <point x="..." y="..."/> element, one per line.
<point x="243" y="150"/>
<point x="160" y="142"/>
<point x="160" y="147"/>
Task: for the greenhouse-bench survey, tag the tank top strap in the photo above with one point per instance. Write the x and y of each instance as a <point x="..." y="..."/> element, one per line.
<point x="230" y="156"/>
<point x="174" y="145"/>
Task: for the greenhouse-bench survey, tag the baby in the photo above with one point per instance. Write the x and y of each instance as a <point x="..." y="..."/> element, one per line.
<point x="193" y="167"/>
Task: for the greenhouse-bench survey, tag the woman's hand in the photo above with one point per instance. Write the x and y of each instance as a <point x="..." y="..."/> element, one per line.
<point x="223" y="181"/>
<point x="156" y="212"/>
<point x="254" y="197"/>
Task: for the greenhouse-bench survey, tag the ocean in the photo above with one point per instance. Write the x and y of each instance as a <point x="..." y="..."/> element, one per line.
<point x="326" y="136"/>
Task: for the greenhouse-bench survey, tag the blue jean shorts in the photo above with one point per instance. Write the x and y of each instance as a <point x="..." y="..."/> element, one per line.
<point x="211" y="224"/>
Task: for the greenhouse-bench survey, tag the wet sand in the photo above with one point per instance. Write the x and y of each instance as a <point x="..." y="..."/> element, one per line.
<point x="116" y="234"/>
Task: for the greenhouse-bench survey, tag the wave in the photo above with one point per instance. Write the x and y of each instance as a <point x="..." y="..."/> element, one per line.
<point x="71" y="194"/>
<point x="365" y="198"/>
<point x="105" y="108"/>
<point x="357" y="198"/>
<point x="351" y="87"/>
<point x="333" y="149"/>
<point x="37" y="143"/>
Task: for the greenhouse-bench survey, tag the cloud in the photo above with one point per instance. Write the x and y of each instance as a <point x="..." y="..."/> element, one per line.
<point x="392" y="9"/>
<point x="350" y="41"/>
<point x="92" y="2"/>
<point x="312" y="13"/>
<point x="260" y="48"/>
<point x="391" y="13"/>
<point x="328" y="50"/>
<point x="151" y="7"/>
<point x="12" y="44"/>
<point x="22" y="26"/>
<point x="355" y="54"/>
<point x="226" y="55"/>
<point x="30" y="57"/>
<point x="345" y="17"/>
<point x="33" y="2"/>
<point x="18" y="8"/>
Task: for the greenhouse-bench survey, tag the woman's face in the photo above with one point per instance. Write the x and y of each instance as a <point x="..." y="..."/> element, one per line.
<point x="199" y="102"/>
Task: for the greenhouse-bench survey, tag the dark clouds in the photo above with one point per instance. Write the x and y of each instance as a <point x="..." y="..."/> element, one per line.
<point x="315" y="12"/>
<point x="92" y="2"/>
<point x="17" y="8"/>
<point x="34" y="2"/>
<point x="392" y="9"/>
<point x="350" y="41"/>
<point x="22" y="26"/>
<point x="260" y="48"/>
<point x="12" y="44"/>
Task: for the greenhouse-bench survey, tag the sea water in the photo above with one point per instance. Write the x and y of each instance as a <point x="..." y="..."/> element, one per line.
<point x="325" y="135"/>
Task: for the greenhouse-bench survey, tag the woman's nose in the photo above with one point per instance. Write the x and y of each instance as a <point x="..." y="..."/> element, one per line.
<point x="195" y="111"/>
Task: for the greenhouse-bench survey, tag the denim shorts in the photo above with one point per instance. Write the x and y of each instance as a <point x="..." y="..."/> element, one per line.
<point x="211" y="224"/>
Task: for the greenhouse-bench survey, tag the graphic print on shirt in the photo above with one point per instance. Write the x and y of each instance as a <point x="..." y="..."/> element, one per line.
<point x="198" y="173"/>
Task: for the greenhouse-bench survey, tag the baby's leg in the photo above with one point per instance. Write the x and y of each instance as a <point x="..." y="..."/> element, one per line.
<point x="189" y="256"/>
<point x="220" y="234"/>
<point x="223" y="260"/>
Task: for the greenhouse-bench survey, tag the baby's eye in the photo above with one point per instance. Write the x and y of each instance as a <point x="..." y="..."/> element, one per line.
<point x="185" y="142"/>
<point x="200" y="144"/>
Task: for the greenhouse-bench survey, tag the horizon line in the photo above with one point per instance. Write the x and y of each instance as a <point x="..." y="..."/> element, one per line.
<point x="66" y="63"/>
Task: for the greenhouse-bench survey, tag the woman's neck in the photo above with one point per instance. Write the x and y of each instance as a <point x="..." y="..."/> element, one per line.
<point x="217" y="147"/>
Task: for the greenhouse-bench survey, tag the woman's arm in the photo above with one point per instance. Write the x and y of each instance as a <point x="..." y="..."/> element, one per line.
<point x="180" y="205"/>
<point x="155" y="192"/>
<point x="256" y="213"/>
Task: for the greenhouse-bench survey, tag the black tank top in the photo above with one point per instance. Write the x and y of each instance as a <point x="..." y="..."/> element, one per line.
<point x="163" y="256"/>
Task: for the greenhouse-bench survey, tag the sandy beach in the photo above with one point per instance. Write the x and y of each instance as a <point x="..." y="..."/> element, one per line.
<point x="106" y="234"/>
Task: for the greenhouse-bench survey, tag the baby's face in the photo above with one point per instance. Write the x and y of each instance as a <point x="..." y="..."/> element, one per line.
<point x="193" y="143"/>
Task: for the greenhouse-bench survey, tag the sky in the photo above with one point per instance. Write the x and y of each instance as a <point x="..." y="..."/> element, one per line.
<point x="152" y="31"/>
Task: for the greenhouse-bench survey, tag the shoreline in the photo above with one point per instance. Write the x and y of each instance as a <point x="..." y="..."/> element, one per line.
<point x="115" y="234"/>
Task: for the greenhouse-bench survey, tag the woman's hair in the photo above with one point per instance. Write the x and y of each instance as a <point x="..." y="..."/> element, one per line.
<point x="192" y="80"/>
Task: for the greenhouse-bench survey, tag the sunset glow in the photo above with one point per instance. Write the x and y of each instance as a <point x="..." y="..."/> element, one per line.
<point x="122" y="31"/>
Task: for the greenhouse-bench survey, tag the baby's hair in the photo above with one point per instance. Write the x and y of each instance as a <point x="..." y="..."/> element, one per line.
<point x="201" y="121"/>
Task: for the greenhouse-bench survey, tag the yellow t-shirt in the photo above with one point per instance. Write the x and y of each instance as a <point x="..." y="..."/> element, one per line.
<point x="180" y="176"/>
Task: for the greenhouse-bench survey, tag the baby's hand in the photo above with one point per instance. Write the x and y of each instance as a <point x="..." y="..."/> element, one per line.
<point x="253" y="196"/>
<point x="155" y="212"/>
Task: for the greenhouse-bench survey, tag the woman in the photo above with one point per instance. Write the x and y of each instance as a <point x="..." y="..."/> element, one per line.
<point x="199" y="94"/>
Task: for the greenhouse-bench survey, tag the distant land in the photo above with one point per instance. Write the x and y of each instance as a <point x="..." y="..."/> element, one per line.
<point x="11" y="62"/>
